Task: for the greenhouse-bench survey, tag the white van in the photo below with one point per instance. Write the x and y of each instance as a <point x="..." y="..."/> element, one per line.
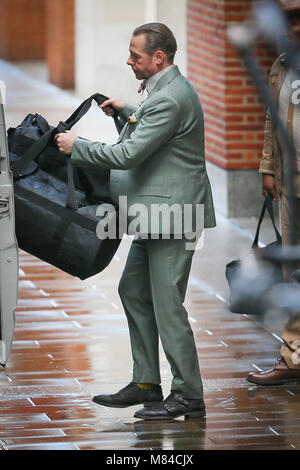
<point x="9" y="260"/>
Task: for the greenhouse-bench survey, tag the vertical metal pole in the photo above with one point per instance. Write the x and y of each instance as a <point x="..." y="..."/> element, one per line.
<point x="151" y="11"/>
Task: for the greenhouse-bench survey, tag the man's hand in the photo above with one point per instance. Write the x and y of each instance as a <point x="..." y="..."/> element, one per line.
<point x="65" y="142"/>
<point x="268" y="186"/>
<point x="112" y="104"/>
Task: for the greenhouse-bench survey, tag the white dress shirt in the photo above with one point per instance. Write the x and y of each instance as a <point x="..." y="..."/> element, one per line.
<point x="151" y="82"/>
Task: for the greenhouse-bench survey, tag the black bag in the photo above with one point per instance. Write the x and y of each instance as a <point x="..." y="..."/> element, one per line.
<point x="35" y="130"/>
<point x="54" y="221"/>
<point x="234" y="272"/>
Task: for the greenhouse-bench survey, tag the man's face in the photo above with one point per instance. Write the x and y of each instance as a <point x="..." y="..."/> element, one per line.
<point x="142" y="64"/>
<point x="295" y="26"/>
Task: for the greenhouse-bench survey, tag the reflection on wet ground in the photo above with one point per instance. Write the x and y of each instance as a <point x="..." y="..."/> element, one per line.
<point x="71" y="342"/>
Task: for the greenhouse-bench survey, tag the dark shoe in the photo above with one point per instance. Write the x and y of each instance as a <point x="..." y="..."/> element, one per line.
<point x="173" y="407"/>
<point x="280" y="374"/>
<point x="130" y="395"/>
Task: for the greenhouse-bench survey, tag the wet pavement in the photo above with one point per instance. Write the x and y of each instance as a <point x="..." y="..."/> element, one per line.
<point x="71" y="341"/>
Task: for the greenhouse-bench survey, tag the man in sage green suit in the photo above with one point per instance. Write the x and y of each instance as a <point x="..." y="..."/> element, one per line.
<point x="158" y="159"/>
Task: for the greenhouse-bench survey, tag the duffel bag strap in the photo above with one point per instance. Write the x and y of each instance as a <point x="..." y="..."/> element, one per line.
<point x="266" y="205"/>
<point x="271" y="214"/>
<point x="71" y="199"/>
<point x="38" y="146"/>
<point x="83" y="109"/>
<point x="34" y="151"/>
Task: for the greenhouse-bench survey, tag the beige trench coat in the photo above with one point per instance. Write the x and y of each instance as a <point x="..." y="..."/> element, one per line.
<point x="271" y="162"/>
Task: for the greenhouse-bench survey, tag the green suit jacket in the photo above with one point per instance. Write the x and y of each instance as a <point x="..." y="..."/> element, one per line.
<point x="159" y="156"/>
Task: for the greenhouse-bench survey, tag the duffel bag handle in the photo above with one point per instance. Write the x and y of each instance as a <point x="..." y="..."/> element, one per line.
<point x="269" y="206"/>
<point x="39" y="146"/>
<point x="83" y="109"/>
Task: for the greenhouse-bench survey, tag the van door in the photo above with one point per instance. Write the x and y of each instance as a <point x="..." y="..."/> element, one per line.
<point x="9" y="260"/>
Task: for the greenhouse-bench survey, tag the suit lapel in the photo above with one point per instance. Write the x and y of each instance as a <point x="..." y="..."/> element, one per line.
<point x="162" y="82"/>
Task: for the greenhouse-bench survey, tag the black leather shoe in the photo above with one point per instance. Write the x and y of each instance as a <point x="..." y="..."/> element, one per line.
<point x="173" y="407"/>
<point x="131" y="395"/>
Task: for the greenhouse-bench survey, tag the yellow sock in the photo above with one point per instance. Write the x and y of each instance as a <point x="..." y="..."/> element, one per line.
<point x="146" y="386"/>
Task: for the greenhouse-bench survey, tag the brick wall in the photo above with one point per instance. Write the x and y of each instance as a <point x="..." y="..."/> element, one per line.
<point x="60" y="15"/>
<point x="234" y="116"/>
<point x="22" y="29"/>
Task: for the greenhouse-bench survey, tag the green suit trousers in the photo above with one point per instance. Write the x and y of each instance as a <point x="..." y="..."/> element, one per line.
<point x="152" y="290"/>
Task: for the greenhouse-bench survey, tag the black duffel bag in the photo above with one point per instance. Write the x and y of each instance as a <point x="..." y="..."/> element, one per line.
<point x="245" y="287"/>
<point x="35" y="130"/>
<point x="55" y="221"/>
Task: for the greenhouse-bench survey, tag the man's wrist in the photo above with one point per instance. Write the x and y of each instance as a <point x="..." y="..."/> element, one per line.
<point x="73" y="146"/>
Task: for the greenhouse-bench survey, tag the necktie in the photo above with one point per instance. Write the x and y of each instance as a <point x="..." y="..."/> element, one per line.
<point x="142" y="86"/>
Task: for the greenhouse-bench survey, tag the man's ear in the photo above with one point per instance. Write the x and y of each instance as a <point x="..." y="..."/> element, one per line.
<point x="159" y="57"/>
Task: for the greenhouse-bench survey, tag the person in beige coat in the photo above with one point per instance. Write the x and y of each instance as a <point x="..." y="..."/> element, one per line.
<point x="273" y="167"/>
